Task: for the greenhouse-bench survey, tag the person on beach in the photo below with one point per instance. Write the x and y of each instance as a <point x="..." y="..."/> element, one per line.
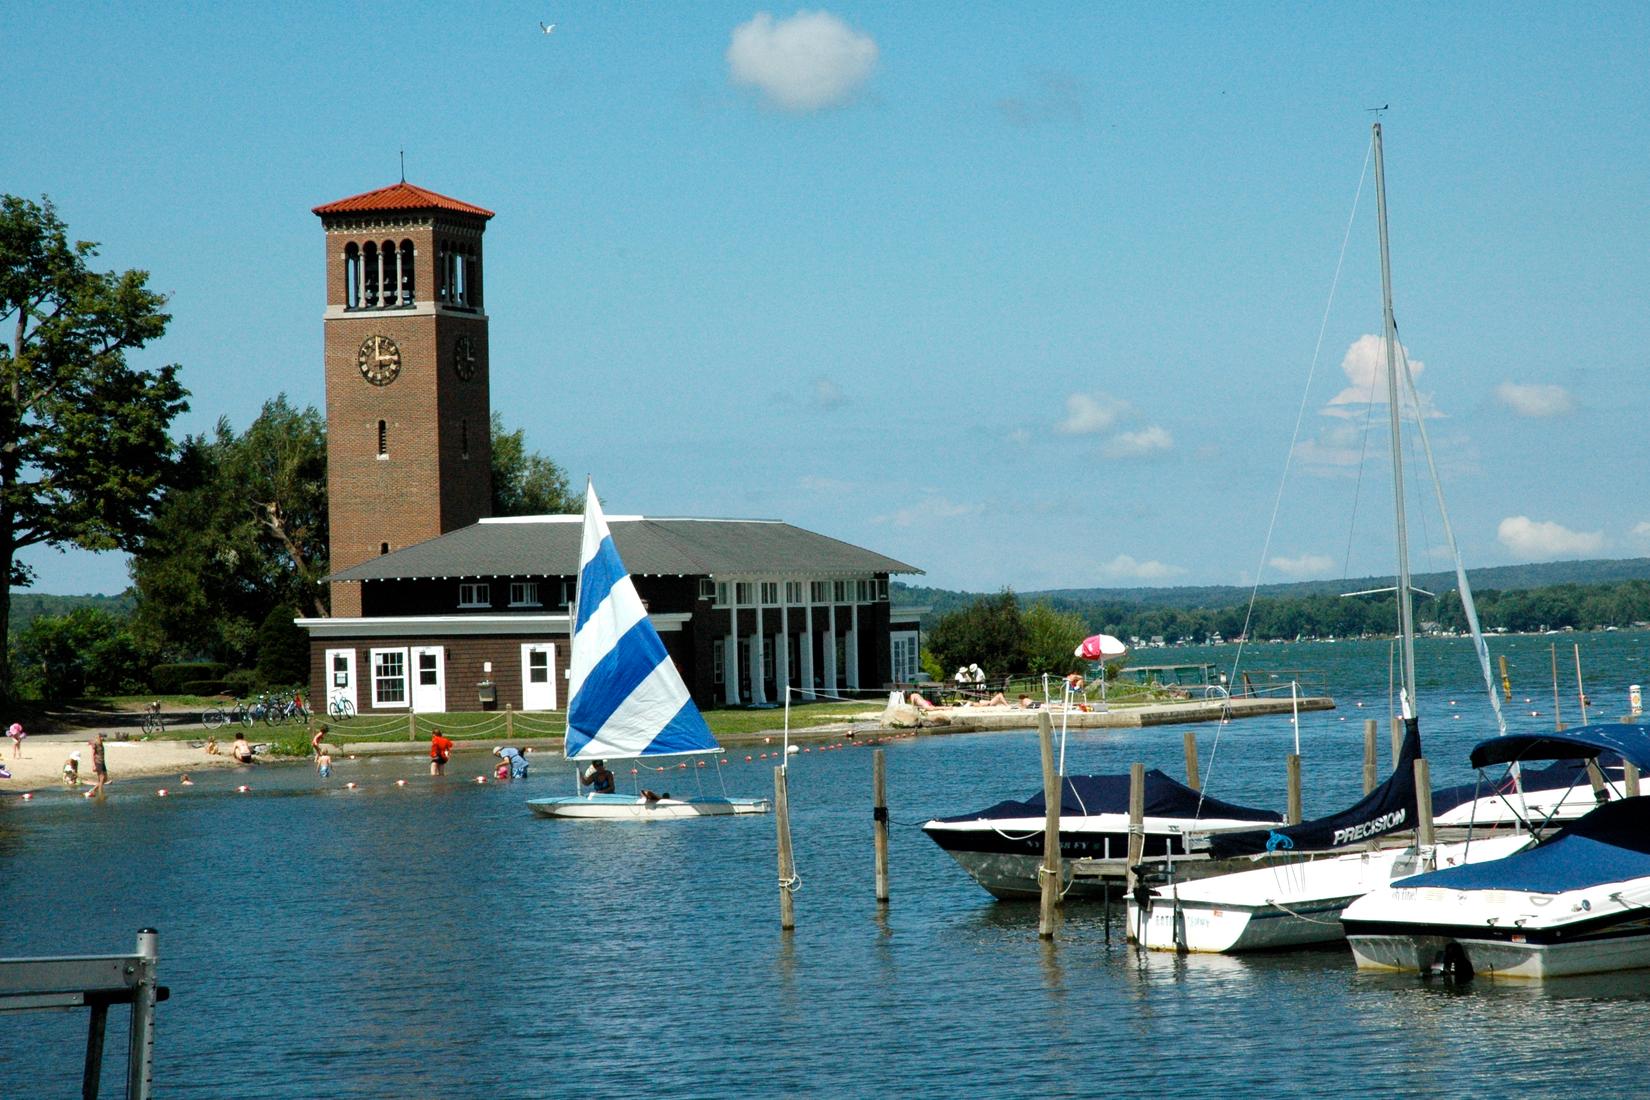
<point x="71" y="770"/>
<point x="317" y="737"/>
<point x="516" y="761"/>
<point x="185" y="781"/>
<point x="1026" y="702"/>
<point x="598" y="778"/>
<point x="240" y="750"/>
<point x="100" y="765"/>
<point x="16" y="734"/>
<point x="441" y="750"/>
<point x="323" y="763"/>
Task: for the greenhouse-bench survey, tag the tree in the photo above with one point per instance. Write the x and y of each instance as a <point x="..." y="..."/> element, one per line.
<point x="526" y="483"/>
<point x="244" y="529"/>
<point x="989" y="633"/>
<point x="283" y="649"/>
<point x="84" y="449"/>
<point x="1052" y="638"/>
<point x="87" y="650"/>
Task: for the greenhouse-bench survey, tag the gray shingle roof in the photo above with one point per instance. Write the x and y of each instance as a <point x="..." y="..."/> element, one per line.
<point x="548" y="546"/>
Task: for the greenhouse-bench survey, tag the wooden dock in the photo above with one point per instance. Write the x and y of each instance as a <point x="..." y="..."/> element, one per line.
<point x="977" y="718"/>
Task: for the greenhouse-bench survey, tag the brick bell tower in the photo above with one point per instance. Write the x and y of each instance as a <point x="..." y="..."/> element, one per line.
<point x="409" y="446"/>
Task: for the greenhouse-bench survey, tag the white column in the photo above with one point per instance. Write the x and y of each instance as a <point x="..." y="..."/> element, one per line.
<point x="807" y="647"/>
<point x="759" y="693"/>
<point x="830" y="648"/>
<point x="782" y="656"/>
<point x="730" y="648"/>
<point x="853" y="647"/>
<point x="383" y="278"/>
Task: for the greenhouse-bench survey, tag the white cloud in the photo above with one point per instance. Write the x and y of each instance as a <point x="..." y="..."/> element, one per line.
<point x="1641" y="531"/>
<point x="1523" y="535"/>
<point x="1535" y="400"/>
<point x="930" y="509"/>
<point x="1124" y="567"/>
<point x="1134" y="444"/>
<point x="807" y="62"/>
<point x="1365" y="367"/>
<point x="827" y="394"/>
<point x="1087" y="413"/>
<point x="1306" y="565"/>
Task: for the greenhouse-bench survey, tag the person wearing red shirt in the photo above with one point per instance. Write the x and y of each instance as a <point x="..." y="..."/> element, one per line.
<point x="441" y="748"/>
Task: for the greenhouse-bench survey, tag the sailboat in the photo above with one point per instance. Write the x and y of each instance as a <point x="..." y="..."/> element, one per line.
<point x="626" y="701"/>
<point x="1295" y="902"/>
<point x="1578" y="902"/>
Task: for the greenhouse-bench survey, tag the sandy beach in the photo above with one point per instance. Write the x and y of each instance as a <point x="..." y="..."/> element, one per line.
<point x="42" y="762"/>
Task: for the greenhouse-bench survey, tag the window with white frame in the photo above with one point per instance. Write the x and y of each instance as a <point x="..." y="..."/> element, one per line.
<point x="818" y="591"/>
<point x="882" y="589"/>
<point x="707" y="588"/>
<point x="742" y="591"/>
<point x="793" y="592"/>
<point x="902" y="645"/>
<point x="863" y="591"/>
<point x="839" y="591"/>
<point x="473" y="594"/>
<point x="566" y="594"/>
<point x="389" y="677"/>
<point x="524" y="594"/>
<point x="770" y="593"/>
<point x="721" y="593"/>
<point x="718" y="656"/>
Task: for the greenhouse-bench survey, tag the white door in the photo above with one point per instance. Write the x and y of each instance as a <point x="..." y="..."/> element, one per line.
<point x="429" y="680"/>
<point x="340" y="678"/>
<point x="538" y="676"/>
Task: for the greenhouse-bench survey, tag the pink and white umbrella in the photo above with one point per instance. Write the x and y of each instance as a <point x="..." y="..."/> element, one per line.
<point x="1101" y="647"/>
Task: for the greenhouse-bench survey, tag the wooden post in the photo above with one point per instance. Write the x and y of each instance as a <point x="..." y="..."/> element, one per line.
<point x="1423" y="803"/>
<point x="412" y="726"/>
<point x="1371" y="767"/>
<point x="1632" y="779"/>
<point x="1192" y="779"/>
<point x="1050" y="869"/>
<point x="879" y="821"/>
<point x="509" y="725"/>
<point x="1294" y="788"/>
<point x="1506" y="682"/>
<point x="1137" y="819"/>
<point x="1397" y="741"/>
<point x="1595" y="777"/>
<point x="1581" y="694"/>
<point x="787" y="866"/>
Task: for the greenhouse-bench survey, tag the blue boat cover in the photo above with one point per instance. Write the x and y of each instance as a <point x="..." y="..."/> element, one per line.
<point x="1630" y="742"/>
<point x="1082" y="795"/>
<point x="1611" y="844"/>
<point x="1387" y="808"/>
<point x="1558" y="776"/>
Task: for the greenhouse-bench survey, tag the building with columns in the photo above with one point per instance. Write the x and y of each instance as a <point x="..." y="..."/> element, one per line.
<point x="438" y="607"/>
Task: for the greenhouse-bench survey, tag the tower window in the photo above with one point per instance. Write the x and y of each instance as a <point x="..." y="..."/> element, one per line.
<point x="352" y="276"/>
<point x="383" y="439"/>
<point x="406" y="273"/>
<point x="383" y="548"/>
<point x="390" y="276"/>
<point x="369" y="275"/>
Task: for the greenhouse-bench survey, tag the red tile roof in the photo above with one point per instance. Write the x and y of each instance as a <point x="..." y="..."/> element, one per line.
<point x="399" y="196"/>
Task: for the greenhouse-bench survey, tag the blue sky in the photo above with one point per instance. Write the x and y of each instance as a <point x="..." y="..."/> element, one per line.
<point x="1023" y="295"/>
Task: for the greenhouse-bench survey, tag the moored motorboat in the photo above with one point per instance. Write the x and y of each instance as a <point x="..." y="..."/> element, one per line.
<point x="1577" y="902"/>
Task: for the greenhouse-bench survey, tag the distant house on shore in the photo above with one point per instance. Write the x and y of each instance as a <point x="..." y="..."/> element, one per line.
<point x="438" y="607"/>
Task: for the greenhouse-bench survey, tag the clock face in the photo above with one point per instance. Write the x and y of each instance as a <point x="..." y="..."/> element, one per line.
<point x="379" y="360"/>
<point x="464" y="358"/>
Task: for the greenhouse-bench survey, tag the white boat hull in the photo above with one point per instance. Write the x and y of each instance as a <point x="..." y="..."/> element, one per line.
<point x="1284" y="905"/>
<point x="615" y="807"/>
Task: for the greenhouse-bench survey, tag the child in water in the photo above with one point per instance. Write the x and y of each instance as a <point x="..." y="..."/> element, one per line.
<point x="71" y="770"/>
<point x="323" y="763"/>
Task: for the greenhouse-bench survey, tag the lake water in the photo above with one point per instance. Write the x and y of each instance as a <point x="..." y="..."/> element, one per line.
<point x="438" y="940"/>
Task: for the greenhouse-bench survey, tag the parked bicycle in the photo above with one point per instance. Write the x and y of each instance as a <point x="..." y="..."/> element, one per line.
<point x="153" y="722"/>
<point x="341" y="708"/>
<point x="237" y="712"/>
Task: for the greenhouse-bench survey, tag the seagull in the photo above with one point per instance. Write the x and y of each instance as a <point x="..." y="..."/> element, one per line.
<point x="547" y="27"/>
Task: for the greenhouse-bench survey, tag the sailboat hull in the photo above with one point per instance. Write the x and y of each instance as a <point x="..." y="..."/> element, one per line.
<point x="618" y="807"/>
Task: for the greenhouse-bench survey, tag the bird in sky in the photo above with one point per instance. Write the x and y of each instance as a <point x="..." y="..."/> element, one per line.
<point x="547" y="27"/>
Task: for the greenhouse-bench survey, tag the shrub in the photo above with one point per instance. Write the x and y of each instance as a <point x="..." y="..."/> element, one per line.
<point x="169" y="679"/>
<point x="203" y="687"/>
<point x="283" y="648"/>
<point x="241" y="682"/>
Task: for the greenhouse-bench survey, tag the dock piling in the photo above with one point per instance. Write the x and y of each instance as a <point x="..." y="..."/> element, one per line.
<point x="1397" y="741"/>
<point x="1371" y="766"/>
<point x="1192" y="779"/>
<point x="879" y="821"/>
<point x="787" y="865"/>
<point x="1294" y="788"/>
<point x="1050" y="870"/>
<point x="1423" y="803"/>
<point x="1632" y="779"/>
<point x="1137" y="820"/>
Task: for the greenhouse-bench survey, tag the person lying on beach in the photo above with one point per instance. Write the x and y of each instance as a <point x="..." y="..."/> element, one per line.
<point x="996" y="700"/>
<point x="918" y="701"/>
<point x="240" y="750"/>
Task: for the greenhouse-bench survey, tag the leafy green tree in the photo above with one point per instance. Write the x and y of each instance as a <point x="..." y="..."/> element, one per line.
<point x="525" y="483"/>
<point x="1051" y="638"/>
<point x="283" y="649"/>
<point x="84" y="444"/>
<point x="89" y="650"/>
<point x="989" y="633"/>
<point x="244" y="530"/>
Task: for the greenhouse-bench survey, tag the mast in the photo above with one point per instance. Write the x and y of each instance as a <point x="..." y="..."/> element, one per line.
<point x="1406" y="610"/>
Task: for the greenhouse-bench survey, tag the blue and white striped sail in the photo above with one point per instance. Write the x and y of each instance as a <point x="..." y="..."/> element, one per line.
<point x="627" y="700"/>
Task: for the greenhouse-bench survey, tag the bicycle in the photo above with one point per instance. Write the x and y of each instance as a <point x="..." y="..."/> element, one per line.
<point x="341" y="708"/>
<point x="153" y="723"/>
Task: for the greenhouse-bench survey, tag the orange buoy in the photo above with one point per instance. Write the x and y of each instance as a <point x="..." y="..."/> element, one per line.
<point x="747" y="758"/>
<point x="161" y="792"/>
<point x="400" y="782"/>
